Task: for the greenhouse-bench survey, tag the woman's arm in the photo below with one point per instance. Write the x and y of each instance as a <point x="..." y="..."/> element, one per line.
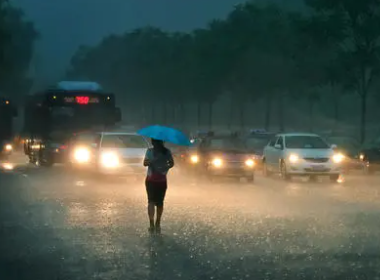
<point x="147" y="160"/>
<point x="170" y="160"/>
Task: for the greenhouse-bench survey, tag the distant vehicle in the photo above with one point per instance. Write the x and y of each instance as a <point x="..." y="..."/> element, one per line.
<point x="369" y="155"/>
<point x="301" y="154"/>
<point x="7" y="113"/>
<point x="221" y="156"/>
<point x="350" y="148"/>
<point x="256" y="142"/>
<point x="53" y="116"/>
<point x="109" y="153"/>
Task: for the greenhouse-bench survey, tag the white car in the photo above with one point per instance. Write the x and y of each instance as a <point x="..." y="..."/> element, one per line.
<point x="301" y="154"/>
<point x="113" y="153"/>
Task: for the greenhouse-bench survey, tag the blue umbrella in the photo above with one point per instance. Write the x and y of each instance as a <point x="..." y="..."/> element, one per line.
<point x="166" y="134"/>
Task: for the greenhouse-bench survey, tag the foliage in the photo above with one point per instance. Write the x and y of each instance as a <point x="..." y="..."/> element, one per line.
<point x="16" y="47"/>
<point x="258" y="51"/>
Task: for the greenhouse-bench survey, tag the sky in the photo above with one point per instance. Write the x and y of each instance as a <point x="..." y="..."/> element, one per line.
<point x="66" y="24"/>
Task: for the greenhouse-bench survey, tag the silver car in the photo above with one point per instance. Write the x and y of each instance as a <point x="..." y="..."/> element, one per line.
<point x="113" y="153"/>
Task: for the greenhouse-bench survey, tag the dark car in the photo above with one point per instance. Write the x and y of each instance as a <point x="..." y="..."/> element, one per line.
<point x="6" y="149"/>
<point x="222" y="156"/>
<point x="350" y="148"/>
<point x="370" y="156"/>
<point x="255" y="143"/>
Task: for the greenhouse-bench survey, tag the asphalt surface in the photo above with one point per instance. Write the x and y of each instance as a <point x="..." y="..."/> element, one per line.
<point x="59" y="225"/>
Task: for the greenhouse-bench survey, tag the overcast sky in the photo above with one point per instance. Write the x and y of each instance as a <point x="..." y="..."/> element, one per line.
<point x="66" y="24"/>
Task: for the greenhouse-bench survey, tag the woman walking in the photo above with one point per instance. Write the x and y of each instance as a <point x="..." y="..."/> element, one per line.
<point x="158" y="160"/>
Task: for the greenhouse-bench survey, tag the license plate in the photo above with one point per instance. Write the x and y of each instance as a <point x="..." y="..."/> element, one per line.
<point x="318" y="167"/>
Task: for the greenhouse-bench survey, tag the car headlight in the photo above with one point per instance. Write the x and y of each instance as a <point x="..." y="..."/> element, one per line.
<point x="293" y="158"/>
<point x="194" y="159"/>
<point x="82" y="155"/>
<point x="361" y="157"/>
<point x="249" y="163"/>
<point x="110" y="160"/>
<point x="217" y="162"/>
<point x="8" y="147"/>
<point x="338" y="158"/>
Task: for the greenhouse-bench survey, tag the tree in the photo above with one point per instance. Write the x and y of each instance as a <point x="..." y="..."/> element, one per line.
<point x="17" y="46"/>
<point x="352" y="28"/>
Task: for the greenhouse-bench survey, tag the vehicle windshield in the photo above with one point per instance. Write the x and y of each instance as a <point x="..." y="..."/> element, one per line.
<point x="62" y="117"/>
<point x="345" y="143"/>
<point x="123" y="141"/>
<point x="70" y="118"/>
<point x="226" y="144"/>
<point x="257" y="143"/>
<point x="305" y="142"/>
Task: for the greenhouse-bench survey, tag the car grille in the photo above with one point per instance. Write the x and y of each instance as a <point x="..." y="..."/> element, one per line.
<point x="317" y="160"/>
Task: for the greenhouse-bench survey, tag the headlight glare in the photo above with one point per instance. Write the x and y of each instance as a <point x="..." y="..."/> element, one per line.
<point x="8" y="147"/>
<point x="293" y="158"/>
<point x="194" y="159"/>
<point x="110" y="160"/>
<point x="82" y="155"/>
<point x="338" y="158"/>
<point x="249" y="163"/>
<point x="361" y="157"/>
<point x="217" y="162"/>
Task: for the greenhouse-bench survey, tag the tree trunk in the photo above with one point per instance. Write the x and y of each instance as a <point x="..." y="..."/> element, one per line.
<point x="336" y="113"/>
<point x="153" y="113"/>
<point x="199" y="113"/>
<point x="311" y="115"/>
<point x="363" y="117"/>
<point x="164" y="113"/>
<point x="182" y="113"/>
<point x="281" y="116"/>
<point x="231" y="114"/>
<point x="268" y="112"/>
<point x="242" y="114"/>
<point x="210" y="115"/>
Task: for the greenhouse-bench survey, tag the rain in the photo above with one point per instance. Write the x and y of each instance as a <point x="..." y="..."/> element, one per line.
<point x="251" y="124"/>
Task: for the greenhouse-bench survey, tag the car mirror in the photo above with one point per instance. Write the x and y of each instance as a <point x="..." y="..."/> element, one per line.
<point x="278" y="146"/>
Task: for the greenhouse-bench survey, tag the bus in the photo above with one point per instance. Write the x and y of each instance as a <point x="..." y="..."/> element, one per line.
<point x="54" y="116"/>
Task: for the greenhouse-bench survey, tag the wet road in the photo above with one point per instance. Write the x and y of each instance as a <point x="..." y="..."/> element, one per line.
<point x="57" y="225"/>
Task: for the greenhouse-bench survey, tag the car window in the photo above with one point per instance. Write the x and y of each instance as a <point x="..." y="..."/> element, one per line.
<point x="305" y="142"/>
<point x="226" y="143"/>
<point x="280" y="141"/>
<point x="123" y="141"/>
<point x="257" y="142"/>
<point x="345" y="143"/>
<point x="87" y="138"/>
<point x="273" y="141"/>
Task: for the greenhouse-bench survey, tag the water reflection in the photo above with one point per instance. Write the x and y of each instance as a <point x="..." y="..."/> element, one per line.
<point x="98" y="215"/>
<point x="7" y="166"/>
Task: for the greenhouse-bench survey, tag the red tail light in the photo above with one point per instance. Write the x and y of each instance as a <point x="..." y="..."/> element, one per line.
<point x="63" y="147"/>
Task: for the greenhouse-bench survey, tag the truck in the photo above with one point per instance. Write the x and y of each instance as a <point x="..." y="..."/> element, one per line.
<point x="8" y="111"/>
<point x="54" y="116"/>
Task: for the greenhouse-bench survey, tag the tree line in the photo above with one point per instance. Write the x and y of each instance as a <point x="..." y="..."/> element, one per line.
<point x="256" y="52"/>
<point x="17" y="37"/>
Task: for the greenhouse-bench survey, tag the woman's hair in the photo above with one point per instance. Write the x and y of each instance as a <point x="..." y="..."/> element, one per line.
<point x="158" y="145"/>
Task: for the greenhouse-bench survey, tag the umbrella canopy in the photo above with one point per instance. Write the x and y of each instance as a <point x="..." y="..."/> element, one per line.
<point x="166" y="134"/>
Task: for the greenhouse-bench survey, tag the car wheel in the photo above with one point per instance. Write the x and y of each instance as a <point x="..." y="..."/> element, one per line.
<point x="45" y="160"/>
<point x="334" y="178"/>
<point x="251" y="178"/>
<point x="284" y="174"/>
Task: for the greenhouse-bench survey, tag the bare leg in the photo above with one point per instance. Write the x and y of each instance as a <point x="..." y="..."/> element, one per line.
<point x="151" y="210"/>
<point x="160" y="210"/>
